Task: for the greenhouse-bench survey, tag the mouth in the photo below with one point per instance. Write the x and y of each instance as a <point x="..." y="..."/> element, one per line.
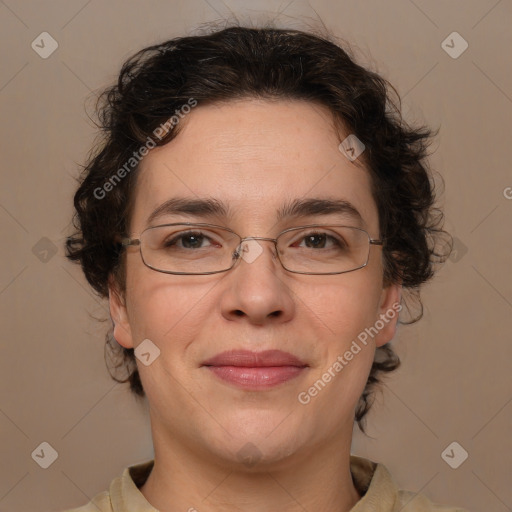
<point x="255" y="370"/>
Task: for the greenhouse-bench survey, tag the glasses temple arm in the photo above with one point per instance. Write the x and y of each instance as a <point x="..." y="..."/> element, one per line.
<point x="125" y="242"/>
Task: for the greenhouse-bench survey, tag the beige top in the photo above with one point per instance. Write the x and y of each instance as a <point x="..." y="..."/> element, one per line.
<point x="372" y="481"/>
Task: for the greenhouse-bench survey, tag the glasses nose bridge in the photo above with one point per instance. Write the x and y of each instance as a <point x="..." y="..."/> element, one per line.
<point x="264" y="238"/>
<point x="258" y="238"/>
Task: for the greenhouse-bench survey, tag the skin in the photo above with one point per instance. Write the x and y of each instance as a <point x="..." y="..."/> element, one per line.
<point x="254" y="155"/>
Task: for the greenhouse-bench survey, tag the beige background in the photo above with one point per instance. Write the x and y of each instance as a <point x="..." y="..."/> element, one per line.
<point x="455" y="382"/>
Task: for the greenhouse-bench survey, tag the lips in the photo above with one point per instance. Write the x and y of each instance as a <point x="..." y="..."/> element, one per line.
<point x="255" y="370"/>
<point x="248" y="359"/>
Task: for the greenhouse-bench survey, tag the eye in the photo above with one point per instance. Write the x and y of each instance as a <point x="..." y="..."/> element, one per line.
<point x="189" y="240"/>
<point x="321" y="240"/>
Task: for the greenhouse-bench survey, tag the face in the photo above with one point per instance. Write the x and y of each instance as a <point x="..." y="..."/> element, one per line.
<point x="254" y="157"/>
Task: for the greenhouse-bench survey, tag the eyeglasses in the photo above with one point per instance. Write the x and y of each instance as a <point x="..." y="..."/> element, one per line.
<point x="192" y="249"/>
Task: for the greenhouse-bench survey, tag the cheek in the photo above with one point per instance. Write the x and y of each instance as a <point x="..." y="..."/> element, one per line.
<point x="344" y="310"/>
<point x="171" y="315"/>
<point x="347" y="303"/>
<point x="165" y="308"/>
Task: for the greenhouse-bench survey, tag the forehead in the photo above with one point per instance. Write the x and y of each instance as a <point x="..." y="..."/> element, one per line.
<point x="255" y="157"/>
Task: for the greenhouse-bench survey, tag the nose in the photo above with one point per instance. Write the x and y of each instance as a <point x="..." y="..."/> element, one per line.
<point x="257" y="290"/>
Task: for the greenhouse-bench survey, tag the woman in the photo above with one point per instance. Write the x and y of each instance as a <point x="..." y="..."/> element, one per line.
<point x="253" y="214"/>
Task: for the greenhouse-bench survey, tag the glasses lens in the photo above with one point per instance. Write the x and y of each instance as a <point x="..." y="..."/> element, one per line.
<point x="324" y="249"/>
<point x="202" y="249"/>
<point x="190" y="249"/>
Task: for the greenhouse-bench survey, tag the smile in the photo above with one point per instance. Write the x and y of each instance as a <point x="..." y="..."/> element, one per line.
<point x="255" y="370"/>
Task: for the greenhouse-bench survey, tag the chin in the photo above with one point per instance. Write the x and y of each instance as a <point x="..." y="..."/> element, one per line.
<point x="261" y="442"/>
<point x="260" y="455"/>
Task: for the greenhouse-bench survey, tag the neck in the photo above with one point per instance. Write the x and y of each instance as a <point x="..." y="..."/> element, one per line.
<point x="183" y="479"/>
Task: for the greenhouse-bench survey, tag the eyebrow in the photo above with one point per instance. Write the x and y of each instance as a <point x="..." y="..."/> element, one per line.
<point x="297" y="208"/>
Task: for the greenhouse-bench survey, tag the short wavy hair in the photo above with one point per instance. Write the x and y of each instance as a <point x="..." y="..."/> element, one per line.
<point x="267" y="63"/>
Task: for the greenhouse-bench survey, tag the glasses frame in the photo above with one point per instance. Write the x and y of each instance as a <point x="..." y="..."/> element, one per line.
<point x="127" y="241"/>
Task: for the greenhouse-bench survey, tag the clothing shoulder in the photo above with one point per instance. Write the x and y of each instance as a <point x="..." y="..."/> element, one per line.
<point x="123" y="494"/>
<point x="101" y="503"/>
<point x="381" y="494"/>
<point x="408" y="501"/>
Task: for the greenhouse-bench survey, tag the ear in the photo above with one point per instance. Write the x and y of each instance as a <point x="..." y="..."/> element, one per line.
<point x="389" y="309"/>
<point x="119" y="315"/>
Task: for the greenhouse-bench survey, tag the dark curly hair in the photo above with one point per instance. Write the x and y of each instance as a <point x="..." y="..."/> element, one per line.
<point x="270" y="63"/>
